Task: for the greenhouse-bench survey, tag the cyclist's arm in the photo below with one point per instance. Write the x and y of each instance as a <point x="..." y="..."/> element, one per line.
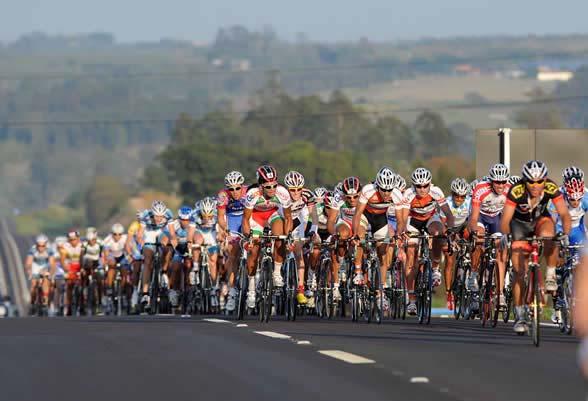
<point x="357" y="216"/>
<point x="139" y="236"/>
<point x="52" y="266"/>
<point x="564" y="215"/>
<point x="448" y="215"/>
<point x="581" y="286"/>
<point x="288" y="220"/>
<point x="507" y="214"/>
<point x="245" y="226"/>
<point x="314" y="219"/>
<point x="474" y="217"/>
<point x="332" y="216"/>
<point x="222" y="218"/>
<point x="62" y="257"/>
<point x="402" y="218"/>
<point x="173" y="238"/>
<point x="104" y="257"/>
<point x="29" y="265"/>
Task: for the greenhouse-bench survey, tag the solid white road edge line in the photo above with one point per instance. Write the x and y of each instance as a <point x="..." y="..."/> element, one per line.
<point x="216" y="320"/>
<point x="273" y="334"/>
<point x="346" y="356"/>
<point x="419" y="379"/>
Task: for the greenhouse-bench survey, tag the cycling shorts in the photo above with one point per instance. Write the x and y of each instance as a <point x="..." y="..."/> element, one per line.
<point x="234" y="223"/>
<point x="38" y="269"/>
<point x="378" y="224"/>
<point x="416" y="226"/>
<point x="523" y="229"/>
<point x="491" y="224"/>
<point x="261" y="220"/>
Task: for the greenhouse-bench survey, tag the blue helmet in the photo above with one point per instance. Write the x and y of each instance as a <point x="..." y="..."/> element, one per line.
<point x="184" y="212"/>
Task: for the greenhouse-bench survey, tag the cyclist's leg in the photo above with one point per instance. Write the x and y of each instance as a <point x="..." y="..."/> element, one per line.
<point x="198" y="240"/>
<point x="276" y="223"/>
<point x="545" y="227"/>
<point x="436" y="227"/>
<point x="520" y="258"/>
<point x="148" y="254"/>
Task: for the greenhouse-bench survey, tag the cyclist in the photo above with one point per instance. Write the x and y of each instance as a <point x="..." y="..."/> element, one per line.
<point x="262" y="210"/>
<point x="230" y="206"/>
<point x="340" y="223"/>
<point x="375" y="201"/>
<point x="319" y="196"/>
<point x="71" y="262"/>
<point x="149" y="236"/>
<point x="513" y="179"/>
<point x="525" y="214"/>
<point x="133" y="250"/>
<point x="576" y="197"/>
<point x="206" y="234"/>
<point x="487" y="205"/>
<point x="420" y="205"/>
<point x="302" y="206"/>
<point x="39" y="264"/>
<point x="400" y="183"/>
<point x="58" y="287"/>
<point x="113" y="256"/>
<point x="91" y="255"/>
<point x="181" y="235"/>
<point x="460" y="203"/>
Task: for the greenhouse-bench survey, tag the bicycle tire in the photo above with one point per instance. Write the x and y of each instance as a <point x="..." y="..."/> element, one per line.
<point x="508" y="299"/>
<point x="495" y="297"/>
<point x="536" y="321"/>
<point x="487" y="277"/>
<point x="243" y="285"/>
<point x="377" y="285"/>
<point x="568" y="320"/>
<point x="327" y="288"/>
<point x="458" y="289"/>
<point x="154" y="289"/>
<point x="291" y="286"/>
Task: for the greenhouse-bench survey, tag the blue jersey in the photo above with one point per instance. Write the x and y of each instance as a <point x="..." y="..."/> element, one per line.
<point x="577" y="216"/>
<point x="462" y="212"/>
<point x="148" y="220"/>
<point x="41" y="258"/>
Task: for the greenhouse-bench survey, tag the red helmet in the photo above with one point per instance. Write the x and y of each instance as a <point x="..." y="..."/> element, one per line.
<point x="575" y="188"/>
<point x="266" y="173"/>
<point x="351" y="186"/>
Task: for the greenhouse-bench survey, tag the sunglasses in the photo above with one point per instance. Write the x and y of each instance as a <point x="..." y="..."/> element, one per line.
<point x="235" y="189"/>
<point x="295" y="190"/>
<point x="352" y="196"/>
<point x="456" y="196"/>
<point x="422" y="186"/>
<point x="499" y="182"/>
<point x="384" y="190"/>
<point x="269" y="186"/>
<point x="540" y="182"/>
<point x="116" y="235"/>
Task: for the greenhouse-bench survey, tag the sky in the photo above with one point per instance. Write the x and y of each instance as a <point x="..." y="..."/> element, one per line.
<point x="323" y="20"/>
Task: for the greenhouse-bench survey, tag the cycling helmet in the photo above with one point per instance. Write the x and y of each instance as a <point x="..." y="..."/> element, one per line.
<point x="158" y="208"/>
<point x="59" y="241"/>
<point x="330" y="199"/>
<point x="572" y="172"/>
<point x="385" y="178"/>
<point x="534" y="170"/>
<point x="41" y="239"/>
<point x="400" y="182"/>
<point x="421" y="176"/>
<point x="207" y="206"/>
<point x="234" y="178"/>
<point x="139" y="214"/>
<point x="338" y="188"/>
<point x="513" y="179"/>
<point x="319" y="193"/>
<point x="294" y="179"/>
<point x="266" y="173"/>
<point x="117" y="228"/>
<point x="73" y="233"/>
<point x="574" y="188"/>
<point x="351" y="186"/>
<point x="91" y="233"/>
<point x="498" y="172"/>
<point x="460" y="186"/>
<point x="184" y="212"/>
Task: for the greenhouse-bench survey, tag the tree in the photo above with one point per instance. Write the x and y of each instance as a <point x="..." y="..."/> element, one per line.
<point x="103" y="199"/>
<point x="436" y="139"/>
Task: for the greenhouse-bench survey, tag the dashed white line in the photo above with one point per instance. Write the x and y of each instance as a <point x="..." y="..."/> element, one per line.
<point x="346" y="356"/>
<point x="444" y="316"/>
<point x="273" y="334"/>
<point x="242" y="325"/>
<point x="216" y="321"/>
<point x="419" y="379"/>
<point x="303" y="342"/>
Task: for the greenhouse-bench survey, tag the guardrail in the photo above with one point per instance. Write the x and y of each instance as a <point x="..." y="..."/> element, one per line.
<point x="12" y="274"/>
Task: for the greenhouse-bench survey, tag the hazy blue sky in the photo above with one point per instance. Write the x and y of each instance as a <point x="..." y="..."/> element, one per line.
<point x="132" y="20"/>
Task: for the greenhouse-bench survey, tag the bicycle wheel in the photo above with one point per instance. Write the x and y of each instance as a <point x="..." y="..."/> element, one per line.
<point x="328" y="289"/>
<point x="154" y="289"/>
<point x="90" y="298"/>
<point x="507" y="299"/>
<point x="269" y="291"/>
<point x="494" y="297"/>
<point x="536" y="306"/>
<point x="377" y="305"/>
<point x="487" y="281"/>
<point x="568" y="321"/>
<point x="242" y="294"/>
<point x="457" y="290"/>
<point x="119" y="297"/>
<point x="291" y="286"/>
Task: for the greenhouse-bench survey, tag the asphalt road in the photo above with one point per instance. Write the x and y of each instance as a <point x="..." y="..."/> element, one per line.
<point x="173" y="358"/>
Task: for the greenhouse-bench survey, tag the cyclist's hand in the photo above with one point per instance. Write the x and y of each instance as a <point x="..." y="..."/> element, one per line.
<point x="401" y="255"/>
<point x="355" y="240"/>
<point x="504" y="242"/>
<point x="564" y="239"/>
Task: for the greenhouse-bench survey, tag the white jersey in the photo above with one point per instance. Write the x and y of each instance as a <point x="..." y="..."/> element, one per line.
<point x="346" y="211"/>
<point x="375" y="204"/>
<point x="256" y="201"/>
<point x="461" y="213"/>
<point x="490" y="203"/>
<point x="423" y="208"/>
<point x="115" y="248"/>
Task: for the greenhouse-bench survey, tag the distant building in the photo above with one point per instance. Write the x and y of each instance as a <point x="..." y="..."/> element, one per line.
<point x="466" y="69"/>
<point x="546" y="74"/>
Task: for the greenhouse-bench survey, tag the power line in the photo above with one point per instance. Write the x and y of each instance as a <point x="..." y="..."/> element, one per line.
<point x="247" y="113"/>
<point x="283" y="69"/>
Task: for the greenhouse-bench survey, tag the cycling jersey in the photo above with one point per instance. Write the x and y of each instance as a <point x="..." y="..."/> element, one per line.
<point x="375" y="204"/>
<point x="152" y="231"/>
<point x="460" y="213"/>
<point x="208" y="231"/>
<point x="519" y="197"/>
<point x="41" y="258"/>
<point x="260" y="204"/>
<point x="92" y="252"/>
<point x="72" y="255"/>
<point x="489" y="202"/>
<point x="115" y="248"/>
<point x="577" y="214"/>
<point x="426" y="207"/>
<point x="233" y="207"/>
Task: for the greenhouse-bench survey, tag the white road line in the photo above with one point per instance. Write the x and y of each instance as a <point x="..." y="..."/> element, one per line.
<point x="419" y="379"/>
<point x="186" y="316"/>
<point x="346" y="357"/>
<point x="242" y="325"/>
<point x="444" y="316"/>
<point x="216" y="321"/>
<point x="273" y="334"/>
<point x="303" y="342"/>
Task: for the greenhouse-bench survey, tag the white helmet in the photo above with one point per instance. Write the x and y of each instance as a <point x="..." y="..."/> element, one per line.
<point x="158" y="208"/>
<point x="498" y="172"/>
<point x="117" y="228"/>
<point x="91" y="233"/>
<point x="61" y="240"/>
<point x="513" y="179"/>
<point x="338" y="188"/>
<point x="421" y="176"/>
<point x="460" y="186"/>
<point x="534" y="170"/>
<point x="41" y="239"/>
<point x="400" y="182"/>
<point x="294" y="179"/>
<point x="234" y="178"/>
<point x="207" y="206"/>
<point x="572" y="172"/>
<point x="320" y="192"/>
<point x="385" y="179"/>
